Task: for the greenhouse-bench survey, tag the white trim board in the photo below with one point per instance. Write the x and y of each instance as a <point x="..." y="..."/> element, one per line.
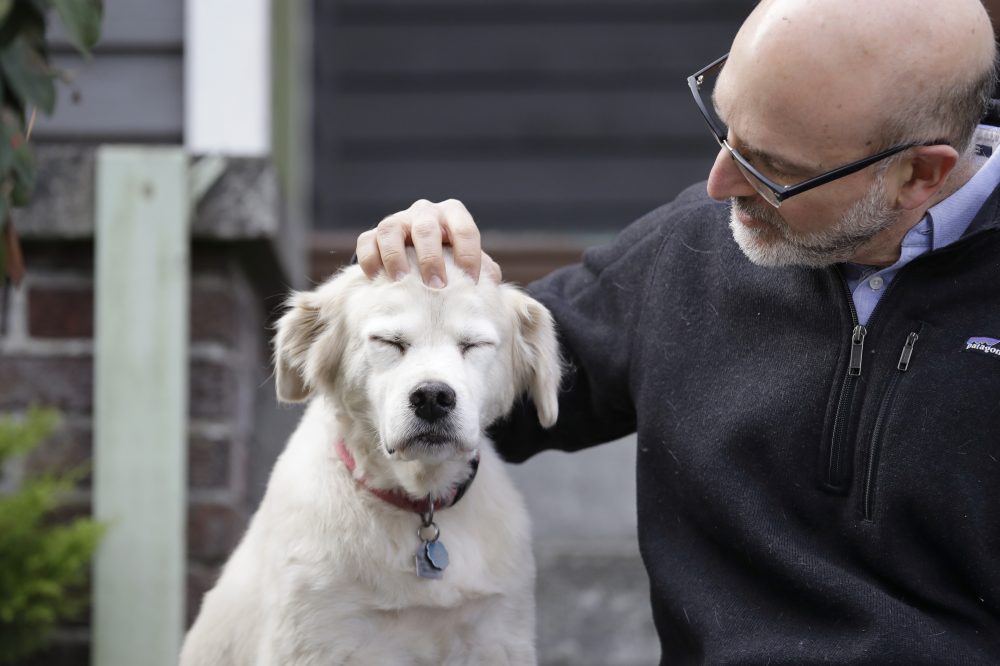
<point x="227" y="77"/>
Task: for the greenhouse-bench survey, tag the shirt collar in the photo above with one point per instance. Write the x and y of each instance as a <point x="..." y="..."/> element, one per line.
<point x="946" y="222"/>
<point x="949" y="219"/>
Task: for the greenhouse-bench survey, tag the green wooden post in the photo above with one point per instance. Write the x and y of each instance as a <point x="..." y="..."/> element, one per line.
<point x="140" y="411"/>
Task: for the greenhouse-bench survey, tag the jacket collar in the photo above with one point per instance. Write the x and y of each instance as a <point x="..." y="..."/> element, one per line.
<point x="988" y="216"/>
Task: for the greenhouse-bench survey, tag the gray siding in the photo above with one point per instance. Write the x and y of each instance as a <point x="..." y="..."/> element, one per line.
<point x="132" y="88"/>
<point x="540" y="115"/>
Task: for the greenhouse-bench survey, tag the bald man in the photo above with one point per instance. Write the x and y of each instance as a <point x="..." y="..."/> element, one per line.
<point x="808" y="347"/>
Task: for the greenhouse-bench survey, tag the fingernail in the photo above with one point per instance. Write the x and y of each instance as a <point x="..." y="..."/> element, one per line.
<point x="399" y="276"/>
<point x="435" y="282"/>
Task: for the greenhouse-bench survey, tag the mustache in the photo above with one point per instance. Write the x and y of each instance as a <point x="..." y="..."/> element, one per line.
<point x="761" y="212"/>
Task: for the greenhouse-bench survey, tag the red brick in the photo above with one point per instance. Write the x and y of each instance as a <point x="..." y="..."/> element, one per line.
<point x="62" y="382"/>
<point x="214" y="315"/>
<point x="208" y="462"/>
<point x="68" y="312"/>
<point x="70" y="448"/>
<point x="212" y="259"/>
<point x="61" y="256"/>
<point x="63" y="312"/>
<point x="213" y="530"/>
<point x="213" y="391"/>
<point x="67" y="383"/>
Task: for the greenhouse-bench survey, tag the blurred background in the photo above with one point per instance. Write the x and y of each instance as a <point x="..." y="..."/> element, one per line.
<point x="268" y="134"/>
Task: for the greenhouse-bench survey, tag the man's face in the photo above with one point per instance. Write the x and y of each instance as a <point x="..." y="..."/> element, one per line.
<point x="790" y="138"/>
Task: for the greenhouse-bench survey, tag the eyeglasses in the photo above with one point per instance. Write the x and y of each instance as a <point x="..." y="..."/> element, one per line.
<point x="702" y="84"/>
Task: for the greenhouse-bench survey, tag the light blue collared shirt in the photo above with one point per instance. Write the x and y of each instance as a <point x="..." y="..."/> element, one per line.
<point x="943" y="224"/>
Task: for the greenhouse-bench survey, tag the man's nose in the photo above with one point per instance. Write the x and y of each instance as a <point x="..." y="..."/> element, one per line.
<point x="725" y="180"/>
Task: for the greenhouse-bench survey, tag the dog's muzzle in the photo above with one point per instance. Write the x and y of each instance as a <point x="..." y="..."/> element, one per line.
<point x="433" y="426"/>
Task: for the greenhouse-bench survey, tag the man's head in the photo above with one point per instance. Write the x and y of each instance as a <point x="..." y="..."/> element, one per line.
<point x="811" y="85"/>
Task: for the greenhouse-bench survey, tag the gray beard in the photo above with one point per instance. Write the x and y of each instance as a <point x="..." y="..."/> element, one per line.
<point x="864" y="220"/>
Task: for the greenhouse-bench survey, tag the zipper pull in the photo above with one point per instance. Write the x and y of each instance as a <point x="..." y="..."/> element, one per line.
<point x="904" y="358"/>
<point x="857" y="349"/>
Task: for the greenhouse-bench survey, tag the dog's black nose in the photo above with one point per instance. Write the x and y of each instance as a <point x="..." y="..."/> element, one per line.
<point x="432" y="401"/>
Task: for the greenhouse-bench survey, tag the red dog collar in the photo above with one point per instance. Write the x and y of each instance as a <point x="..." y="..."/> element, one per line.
<point x="399" y="498"/>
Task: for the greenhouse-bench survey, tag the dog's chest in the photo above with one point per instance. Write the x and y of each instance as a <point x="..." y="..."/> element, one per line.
<point x="416" y="635"/>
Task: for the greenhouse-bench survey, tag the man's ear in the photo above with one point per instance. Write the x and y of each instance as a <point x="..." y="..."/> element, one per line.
<point x="926" y="171"/>
<point x="298" y="329"/>
<point x="537" y="365"/>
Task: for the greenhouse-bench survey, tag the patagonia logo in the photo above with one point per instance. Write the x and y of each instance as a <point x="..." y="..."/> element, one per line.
<point x="990" y="346"/>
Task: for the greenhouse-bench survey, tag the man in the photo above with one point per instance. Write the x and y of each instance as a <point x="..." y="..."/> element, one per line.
<point x="817" y="403"/>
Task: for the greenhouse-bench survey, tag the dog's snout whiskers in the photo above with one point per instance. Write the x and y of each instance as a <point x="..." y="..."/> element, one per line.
<point x="432" y="401"/>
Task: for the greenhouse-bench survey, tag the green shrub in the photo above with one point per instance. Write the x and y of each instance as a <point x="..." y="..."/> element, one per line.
<point x="43" y="566"/>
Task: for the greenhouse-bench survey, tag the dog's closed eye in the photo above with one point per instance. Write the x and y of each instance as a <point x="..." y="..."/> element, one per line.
<point x="468" y="345"/>
<point x="395" y="341"/>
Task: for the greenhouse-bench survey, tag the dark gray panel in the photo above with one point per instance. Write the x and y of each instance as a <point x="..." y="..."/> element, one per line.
<point x="510" y="115"/>
<point x="139" y="24"/>
<point x="425" y="12"/>
<point x="550" y="182"/>
<point x="708" y="7"/>
<point x="551" y="115"/>
<point x="517" y="216"/>
<point x="591" y="48"/>
<point x="118" y="97"/>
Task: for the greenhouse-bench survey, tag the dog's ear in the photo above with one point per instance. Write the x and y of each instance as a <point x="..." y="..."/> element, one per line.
<point x="537" y="365"/>
<point x="298" y="329"/>
<point x="312" y="335"/>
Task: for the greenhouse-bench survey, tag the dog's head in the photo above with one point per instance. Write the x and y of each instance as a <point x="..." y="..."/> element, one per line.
<point x="426" y="370"/>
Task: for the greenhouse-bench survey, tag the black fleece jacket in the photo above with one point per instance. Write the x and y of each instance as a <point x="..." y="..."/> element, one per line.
<point x="791" y="512"/>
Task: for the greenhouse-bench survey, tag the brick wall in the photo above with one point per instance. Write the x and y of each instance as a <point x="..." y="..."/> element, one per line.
<point x="46" y="358"/>
<point x="239" y="275"/>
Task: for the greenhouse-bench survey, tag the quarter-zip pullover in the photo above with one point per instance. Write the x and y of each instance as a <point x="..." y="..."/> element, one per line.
<point x="809" y="490"/>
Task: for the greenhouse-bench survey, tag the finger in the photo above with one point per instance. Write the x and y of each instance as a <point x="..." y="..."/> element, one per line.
<point x="491" y="268"/>
<point x="464" y="236"/>
<point x="367" y="253"/>
<point x="426" y="235"/>
<point x="391" y="235"/>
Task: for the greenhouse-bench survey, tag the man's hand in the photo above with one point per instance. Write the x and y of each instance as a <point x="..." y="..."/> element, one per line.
<point x="428" y="227"/>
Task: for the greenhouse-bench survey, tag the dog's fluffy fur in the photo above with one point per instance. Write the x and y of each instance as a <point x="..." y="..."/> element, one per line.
<point x="325" y="573"/>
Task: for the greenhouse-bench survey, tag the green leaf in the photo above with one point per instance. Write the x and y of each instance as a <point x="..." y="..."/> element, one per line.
<point x="20" y="196"/>
<point x="82" y="19"/>
<point x="9" y="129"/>
<point x="28" y="74"/>
<point x="5" y="7"/>
<point x="19" y="157"/>
<point x="20" y="435"/>
<point x="26" y="18"/>
<point x="3" y="247"/>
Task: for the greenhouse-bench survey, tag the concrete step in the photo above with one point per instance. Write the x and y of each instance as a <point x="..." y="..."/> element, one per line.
<point x="593" y="608"/>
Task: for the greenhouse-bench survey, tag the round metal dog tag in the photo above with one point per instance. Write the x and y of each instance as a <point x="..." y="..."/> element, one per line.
<point x="437" y="554"/>
<point x="426" y="568"/>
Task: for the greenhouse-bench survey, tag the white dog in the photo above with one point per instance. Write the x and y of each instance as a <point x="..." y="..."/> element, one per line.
<point x="361" y="552"/>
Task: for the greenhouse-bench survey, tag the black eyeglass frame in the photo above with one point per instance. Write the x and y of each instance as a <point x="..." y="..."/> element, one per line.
<point x="782" y="192"/>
